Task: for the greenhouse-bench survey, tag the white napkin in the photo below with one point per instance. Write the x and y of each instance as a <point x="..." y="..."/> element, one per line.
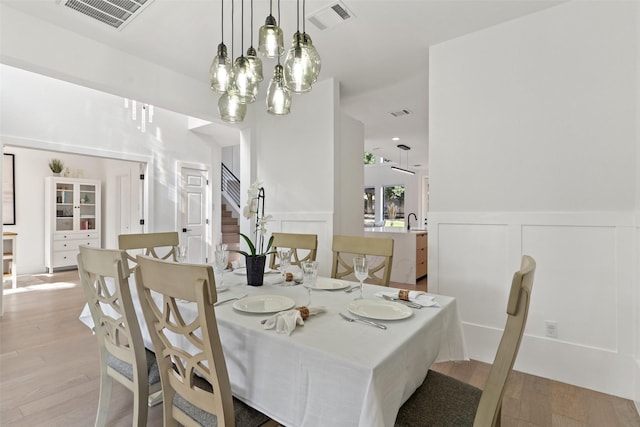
<point x="285" y="322"/>
<point x="418" y="297"/>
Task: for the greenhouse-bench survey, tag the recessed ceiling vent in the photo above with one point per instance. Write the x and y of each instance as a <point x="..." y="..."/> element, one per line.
<point x="114" y="13"/>
<point x="400" y="113"/>
<point x="330" y="16"/>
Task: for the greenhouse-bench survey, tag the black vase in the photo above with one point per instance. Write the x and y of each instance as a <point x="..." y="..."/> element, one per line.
<point x="255" y="269"/>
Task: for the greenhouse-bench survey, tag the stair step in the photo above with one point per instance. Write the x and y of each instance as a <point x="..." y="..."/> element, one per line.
<point x="230" y="228"/>
<point x="229" y="220"/>
<point x="231" y="238"/>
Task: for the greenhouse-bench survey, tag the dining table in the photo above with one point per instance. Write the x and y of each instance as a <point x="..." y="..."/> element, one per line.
<point x="328" y="371"/>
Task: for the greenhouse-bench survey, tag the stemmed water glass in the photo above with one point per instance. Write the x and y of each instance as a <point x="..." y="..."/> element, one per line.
<point x="285" y="261"/>
<point x="221" y="259"/>
<point x="309" y="277"/>
<point x="182" y="253"/>
<point x="360" y="270"/>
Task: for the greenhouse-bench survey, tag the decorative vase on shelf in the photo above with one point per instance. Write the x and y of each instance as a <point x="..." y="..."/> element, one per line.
<point x="255" y="269"/>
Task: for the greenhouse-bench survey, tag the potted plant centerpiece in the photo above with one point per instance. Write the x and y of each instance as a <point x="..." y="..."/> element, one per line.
<point x="56" y="166"/>
<point x="257" y="256"/>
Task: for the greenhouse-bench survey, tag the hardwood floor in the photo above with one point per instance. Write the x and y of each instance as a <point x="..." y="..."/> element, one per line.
<point x="49" y="371"/>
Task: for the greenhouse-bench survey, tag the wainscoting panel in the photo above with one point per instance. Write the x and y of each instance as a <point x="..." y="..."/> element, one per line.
<point x="574" y="283"/>
<point x="586" y="281"/>
<point x="309" y="223"/>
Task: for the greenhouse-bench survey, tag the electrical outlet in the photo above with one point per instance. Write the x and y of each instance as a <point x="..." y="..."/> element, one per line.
<point x="551" y="328"/>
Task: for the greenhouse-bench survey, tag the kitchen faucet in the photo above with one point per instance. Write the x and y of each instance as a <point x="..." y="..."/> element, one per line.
<point x="409" y="220"/>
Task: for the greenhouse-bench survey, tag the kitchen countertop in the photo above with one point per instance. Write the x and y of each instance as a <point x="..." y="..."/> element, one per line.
<point x="396" y="230"/>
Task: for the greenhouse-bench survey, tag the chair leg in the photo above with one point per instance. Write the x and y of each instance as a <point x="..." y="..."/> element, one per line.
<point x="140" y="407"/>
<point x="104" y="399"/>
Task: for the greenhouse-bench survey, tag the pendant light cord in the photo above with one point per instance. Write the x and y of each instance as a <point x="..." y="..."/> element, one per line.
<point x="241" y="27"/>
<point x="304" y="2"/>
<point x="251" y="23"/>
<point x="222" y="21"/>
<point x="232" y="7"/>
<point x="278" y="55"/>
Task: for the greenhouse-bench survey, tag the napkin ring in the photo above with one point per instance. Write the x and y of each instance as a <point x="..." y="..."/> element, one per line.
<point x="289" y="277"/>
<point x="304" y="312"/>
<point x="403" y="294"/>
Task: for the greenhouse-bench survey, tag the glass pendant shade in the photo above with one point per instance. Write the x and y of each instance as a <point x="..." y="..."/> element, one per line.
<point x="255" y="63"/>
<point x="313" y="55"/>
<point x="220" y="70"/>
<point x="270" y="39"/>
<point x="298" y="67"/>
<point x="278" y="96"/>
<point x="242" y="82"/>
<point x="231" y="109"/>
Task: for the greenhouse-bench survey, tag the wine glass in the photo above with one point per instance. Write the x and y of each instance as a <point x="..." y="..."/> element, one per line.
<point x="182" y="253"/>
<point x="309" y="277"/>
<point x="221" y="259"/>
<point x="285" y="261"/>
<point x="360" y="270"/>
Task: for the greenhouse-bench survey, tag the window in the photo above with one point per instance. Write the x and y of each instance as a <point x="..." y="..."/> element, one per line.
<point x="369" y="206"/>
<point x="393" y="206"/>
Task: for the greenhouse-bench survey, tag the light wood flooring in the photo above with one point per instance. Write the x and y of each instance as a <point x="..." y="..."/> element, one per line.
<point x="49" y="371"/>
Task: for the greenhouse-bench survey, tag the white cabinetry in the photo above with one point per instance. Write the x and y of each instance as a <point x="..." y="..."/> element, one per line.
<point x="72" y="219"/>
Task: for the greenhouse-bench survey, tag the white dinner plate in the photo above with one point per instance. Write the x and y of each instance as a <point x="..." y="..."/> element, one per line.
<point x="326" y="284"/>
<point x="379" y="309"/>
<point x="242" y="271"/>
<point x="264" y="304"/>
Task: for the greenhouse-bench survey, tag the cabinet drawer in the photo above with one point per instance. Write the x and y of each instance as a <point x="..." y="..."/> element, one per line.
<point x="61" y="245"/>
<point x="75" y="236"/>
<point x="64" y="258"/>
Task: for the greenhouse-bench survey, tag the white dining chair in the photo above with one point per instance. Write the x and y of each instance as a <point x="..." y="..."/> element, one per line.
<point x="444" y="401"/>
<point x="123" y="356"/>
<point x="304" y="247"/>
<point x="158" y="245"/>
<point x="345" y="247"/>
<point x="195" y="383"/>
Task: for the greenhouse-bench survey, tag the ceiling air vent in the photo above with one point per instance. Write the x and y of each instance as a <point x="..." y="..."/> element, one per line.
<point x="330" y="16"/>
<point x="400" y="113"/>
<point x="114" y="13"/>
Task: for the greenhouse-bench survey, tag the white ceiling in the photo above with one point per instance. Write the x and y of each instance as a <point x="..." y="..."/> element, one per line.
<point x="380" y="57"/>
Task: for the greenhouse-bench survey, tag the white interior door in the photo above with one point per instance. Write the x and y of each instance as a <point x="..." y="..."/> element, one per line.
<point x="193" y="214"/>
<point x="123" y="207"/>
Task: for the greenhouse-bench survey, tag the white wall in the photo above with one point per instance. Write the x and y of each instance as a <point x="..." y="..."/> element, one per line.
<point x="44" y="113"/>
<point x="310" y="164"/>
<point x="533" y="150"/>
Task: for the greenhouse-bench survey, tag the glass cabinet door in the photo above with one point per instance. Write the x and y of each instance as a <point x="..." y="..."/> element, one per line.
<point x="87" y="205"/>
<point x="64" y="207"/>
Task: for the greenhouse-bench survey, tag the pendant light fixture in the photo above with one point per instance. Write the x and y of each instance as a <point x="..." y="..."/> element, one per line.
<point x="242" y="81"/>
<point x="405" y="148"/>
<point x="254" y="62"/>
<point x="298" y="66"/>
<point x="221" y="66"/>
<point x="270" y="42"/>
<point x="230" y="107"/>
<point x="278" y="95"/>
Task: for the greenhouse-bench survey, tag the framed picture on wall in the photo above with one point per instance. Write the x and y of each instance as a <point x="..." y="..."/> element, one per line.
<point x="8" y="190"/>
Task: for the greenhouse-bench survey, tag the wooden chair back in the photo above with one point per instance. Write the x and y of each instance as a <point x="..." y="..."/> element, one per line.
<point x="345" y="247"/>
<point x="308" y="243"/>
<point x="489" y="408"/>
<point x="158" y="245"/>
<point x="182" y="372"/>
<point x="105" y="280"/>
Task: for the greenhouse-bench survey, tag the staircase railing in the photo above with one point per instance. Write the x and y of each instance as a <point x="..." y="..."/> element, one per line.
<point x="230" y="185"/>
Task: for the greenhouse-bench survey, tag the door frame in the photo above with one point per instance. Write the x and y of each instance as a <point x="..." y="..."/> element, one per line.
<point x="208" y="200"/>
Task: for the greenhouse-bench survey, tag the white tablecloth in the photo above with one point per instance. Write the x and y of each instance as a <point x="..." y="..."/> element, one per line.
<point x="329" y="371"/>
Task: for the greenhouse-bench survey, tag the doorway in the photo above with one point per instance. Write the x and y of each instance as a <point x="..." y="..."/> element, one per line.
<point x="193" y="212"/>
